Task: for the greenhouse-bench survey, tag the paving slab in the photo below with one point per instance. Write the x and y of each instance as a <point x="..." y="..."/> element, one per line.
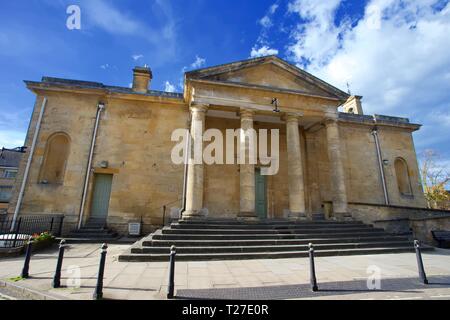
<point x="340" y="277"/>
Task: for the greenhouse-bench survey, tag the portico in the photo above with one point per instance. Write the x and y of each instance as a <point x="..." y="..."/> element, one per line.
<point x="226" y="104"/>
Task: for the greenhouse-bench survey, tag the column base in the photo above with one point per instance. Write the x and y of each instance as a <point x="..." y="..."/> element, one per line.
<point x="247" y="216"/>
<point x="342" y="216"/>
<point x="295" y="216"/>
<point x="248" y="219"/>
<point x="194" y="215"/>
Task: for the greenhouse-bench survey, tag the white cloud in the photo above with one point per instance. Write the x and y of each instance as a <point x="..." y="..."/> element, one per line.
<point x="273" y="8"/>
<point x="104" y="66"/>
<point x="136" y="57"/>
<point x="111" y="19"/>
<point x="316" y="40"/>
<point x="396" y="56"/>
<point x="169" y="87"/>
<point x="266" y="22"/>
<point x="11" y="138"/>
<point x="263" y="44"/>
<point x="160" y="33"/>
<point x="198" y="63"/>
<point x="262" y="51"/>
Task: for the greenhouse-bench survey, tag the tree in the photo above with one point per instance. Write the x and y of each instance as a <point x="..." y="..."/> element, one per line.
<point x="435" y="178"/>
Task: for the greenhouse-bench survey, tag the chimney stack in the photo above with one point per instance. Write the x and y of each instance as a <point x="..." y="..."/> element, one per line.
<point x="142" y="77"/>
<point x="353" y="105"/>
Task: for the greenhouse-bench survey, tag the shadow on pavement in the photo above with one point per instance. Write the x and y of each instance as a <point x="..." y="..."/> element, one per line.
<point x="394" y="285"/>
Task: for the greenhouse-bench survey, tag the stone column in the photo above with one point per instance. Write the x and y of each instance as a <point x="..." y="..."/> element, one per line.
<point x="247" y="170"/>
<point x="336" y="168"/>
<point x="194" y="183"/>
<point x="295" y="168"/>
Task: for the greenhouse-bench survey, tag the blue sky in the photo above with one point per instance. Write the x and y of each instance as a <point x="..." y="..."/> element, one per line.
<point x="394" y="53"/>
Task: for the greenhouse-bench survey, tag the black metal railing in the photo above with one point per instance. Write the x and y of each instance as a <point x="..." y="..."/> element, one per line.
<point x="16" y="234"/>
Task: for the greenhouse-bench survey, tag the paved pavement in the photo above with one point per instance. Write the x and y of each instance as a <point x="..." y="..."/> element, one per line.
<point x="343" y="277"/>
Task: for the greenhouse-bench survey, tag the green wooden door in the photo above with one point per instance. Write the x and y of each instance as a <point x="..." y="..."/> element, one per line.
<point x="260" y="197"/>
<point x="102" y="193"/>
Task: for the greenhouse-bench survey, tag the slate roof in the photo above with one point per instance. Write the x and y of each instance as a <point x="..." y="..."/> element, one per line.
<point x="98" y="85"/>
<point x="11" y="157"/>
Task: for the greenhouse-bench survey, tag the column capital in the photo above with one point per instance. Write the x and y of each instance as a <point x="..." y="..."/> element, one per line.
<point x="198" y="107"/>
<point x="292" y="117"/>
<point x="246" y="113"/>
<point x="330" y="121"/>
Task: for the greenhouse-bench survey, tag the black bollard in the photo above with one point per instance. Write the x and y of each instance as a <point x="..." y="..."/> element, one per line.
<point x="422" y="274"/>
<point x="171" y="286"/>
<point x="98" y="293"/>
<point x="312" y="269"/>
<point x="57" y="278"/>
<point x="26" y="265"/>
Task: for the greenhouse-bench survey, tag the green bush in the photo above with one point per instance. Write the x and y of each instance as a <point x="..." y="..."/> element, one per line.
<point x="43" y="237"/>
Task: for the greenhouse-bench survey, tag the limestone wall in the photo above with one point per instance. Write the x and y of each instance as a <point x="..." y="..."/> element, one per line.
<point x="133" y="137"/>
<point x="362" y="169"/>
<point x="422" y="227"/>
<point x="402" y="219"/>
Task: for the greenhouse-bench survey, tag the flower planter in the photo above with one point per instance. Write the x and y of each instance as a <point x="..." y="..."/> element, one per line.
<point x="42" y="245"/>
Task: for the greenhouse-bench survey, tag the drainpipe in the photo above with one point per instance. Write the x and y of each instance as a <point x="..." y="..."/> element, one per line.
<point x="380" y="165"/>
<point x="100" y="108"/>
<point x="186" y="162"/>
<point x="27" y="168"/>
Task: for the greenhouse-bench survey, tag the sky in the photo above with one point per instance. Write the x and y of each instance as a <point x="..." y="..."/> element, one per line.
<point x="396" y="54"/>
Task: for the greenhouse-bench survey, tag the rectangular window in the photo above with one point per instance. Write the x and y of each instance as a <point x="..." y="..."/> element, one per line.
<point x="5" y="193"/>
<point x="9" y="174"/>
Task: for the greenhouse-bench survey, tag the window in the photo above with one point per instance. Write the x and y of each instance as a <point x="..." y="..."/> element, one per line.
<point x="5" y="193"/>
<point x="403" y="180"/>
<point x="9" y="173"/>
<point x="55" y="159"/>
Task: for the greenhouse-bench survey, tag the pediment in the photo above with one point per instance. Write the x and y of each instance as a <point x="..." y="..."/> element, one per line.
<point x="268" y="72"/>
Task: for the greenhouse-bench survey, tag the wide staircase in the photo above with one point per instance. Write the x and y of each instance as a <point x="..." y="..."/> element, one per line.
<point x="268" y="239"/>
<point x="94" y="230"/>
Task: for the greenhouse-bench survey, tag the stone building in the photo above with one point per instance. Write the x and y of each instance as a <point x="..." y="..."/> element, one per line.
<point x="104" y="152"/>
<point x="9" y="165"/>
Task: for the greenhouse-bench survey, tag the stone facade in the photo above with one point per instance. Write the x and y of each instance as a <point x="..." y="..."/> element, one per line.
<point x="325" y="156"/>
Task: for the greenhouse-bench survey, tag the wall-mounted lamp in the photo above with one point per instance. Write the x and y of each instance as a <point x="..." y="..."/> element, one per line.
<point x="101" y="105"/>
<point x="275" y="103"/>
<point x="104" y="164"/>
<point x="385" y="162"/>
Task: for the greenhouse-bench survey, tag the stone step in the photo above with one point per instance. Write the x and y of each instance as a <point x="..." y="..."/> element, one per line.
<point x="93" y="235"/>
<point x="267" y="226"/>
<point x="143" y="257"/>
<point x="269" y="222"/>
<point x="149" y="242"/>
<point x="159" y="235"/>
<point x="215" y="239"/>
<point x="271" y="248"/>
<point x="91" y="230"/>
<point x="169" y="230"/>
